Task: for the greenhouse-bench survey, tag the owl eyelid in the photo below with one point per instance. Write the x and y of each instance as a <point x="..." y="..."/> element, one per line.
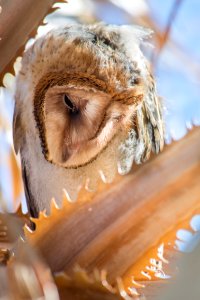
<point x="69" y="103"/>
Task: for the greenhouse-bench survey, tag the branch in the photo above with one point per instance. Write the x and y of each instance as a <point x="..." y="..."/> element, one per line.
<point x="19" y="21"/>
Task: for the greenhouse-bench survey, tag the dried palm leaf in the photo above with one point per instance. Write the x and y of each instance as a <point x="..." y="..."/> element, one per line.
<point x="128" y="219"/>
<point x="19" y="21"/>
<point x="124" y="234"/>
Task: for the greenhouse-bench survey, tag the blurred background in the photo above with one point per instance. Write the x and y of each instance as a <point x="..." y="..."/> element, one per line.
<point x="174" y="54"/>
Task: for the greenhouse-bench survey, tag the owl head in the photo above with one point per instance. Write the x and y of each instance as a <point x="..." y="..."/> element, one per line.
<point x="80" y="88"/>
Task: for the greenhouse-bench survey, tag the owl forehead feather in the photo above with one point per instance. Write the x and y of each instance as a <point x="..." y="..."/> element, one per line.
<point x="123" y="33"/>
<point x="107" y="51"/>
<point x="121" y="37"/>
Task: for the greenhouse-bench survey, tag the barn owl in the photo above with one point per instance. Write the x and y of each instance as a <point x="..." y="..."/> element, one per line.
<point x="86" y="108"/>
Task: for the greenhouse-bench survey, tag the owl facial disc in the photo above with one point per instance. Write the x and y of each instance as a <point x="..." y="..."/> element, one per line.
<point x="78" y="115"/>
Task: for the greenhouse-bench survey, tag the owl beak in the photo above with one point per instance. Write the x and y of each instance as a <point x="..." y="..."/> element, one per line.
<point x="69" y="151"/>
<point x="65" y="155"/>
